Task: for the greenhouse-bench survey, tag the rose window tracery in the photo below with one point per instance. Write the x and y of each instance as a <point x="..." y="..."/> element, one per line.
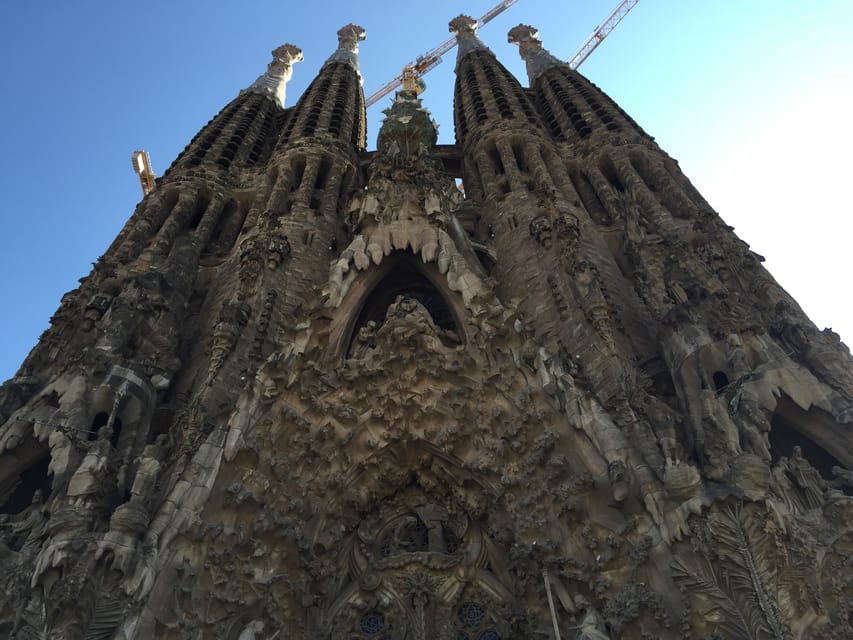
<point x="473" y="624"/>
<point x="372" y="626"/>
<point x="418" y="567"/>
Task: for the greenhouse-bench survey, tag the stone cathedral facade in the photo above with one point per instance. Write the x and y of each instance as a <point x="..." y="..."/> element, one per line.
<point x="314" y="392"/>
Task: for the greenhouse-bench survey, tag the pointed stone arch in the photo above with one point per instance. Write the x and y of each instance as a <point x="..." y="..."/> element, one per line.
<point x="401" y="274"/>
<point x="820" y="438"/>
<point x="24" y="471"/>
<point x="380" y="250"/>
<point x="417" y="548"/>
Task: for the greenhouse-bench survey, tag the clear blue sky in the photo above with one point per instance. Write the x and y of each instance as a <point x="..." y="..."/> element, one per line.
<point x="753" y="98"/>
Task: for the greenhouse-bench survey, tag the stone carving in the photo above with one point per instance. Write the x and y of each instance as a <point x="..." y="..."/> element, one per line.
<point x="278" y="250"/>
<point x="233" y="317"/>
<point x="617" y="425"/>
<point x="250" y="261"/>
<point x="541" y="231"/>
<point x="95" y="309"/>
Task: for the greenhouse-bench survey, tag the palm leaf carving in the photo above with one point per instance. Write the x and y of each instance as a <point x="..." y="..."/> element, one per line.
<point x="704" y="580"/>
<point x="106" y="618"/>
<point x="750" y="568"/>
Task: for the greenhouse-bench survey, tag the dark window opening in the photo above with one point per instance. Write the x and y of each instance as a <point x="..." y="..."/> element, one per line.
<point x="486" y="261"/>
<point x="34" y="479"/>
<point x="520" y="160"/>
<point x="452" y="543"/>
<point x="198" y="214"/>
<point x="226" y="229"/>
<point x="608" y="170"/>
<point x="642" y="168"/>
<point x="298" y="168"/>
<point x="784" y="436"/>
<point x="404" y="280"/>
<point x="592" y="203"/>
<point x="322" y="174"/>
<point x="100" y="422"/>
<point x="497" y="162"/>
<point x="721" y="380"/>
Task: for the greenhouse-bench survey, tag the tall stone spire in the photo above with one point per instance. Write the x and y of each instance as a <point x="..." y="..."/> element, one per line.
<point x="531" y="50"/>
<point x="465" y="28"/>
<point x="348" y="39"/>
<point x="310" y="392"/>
<point x="572" y="107"/>
<point x="272" y="82"/>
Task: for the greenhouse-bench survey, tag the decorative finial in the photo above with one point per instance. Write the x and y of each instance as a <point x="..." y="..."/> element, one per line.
<point x="524" y="36"/>
<point x="465" y="28"/>
<point x="349" y="36"/>
<point x="531" y="51"/>
<point x="348" y="39"/>
<point x="279" y="71"/>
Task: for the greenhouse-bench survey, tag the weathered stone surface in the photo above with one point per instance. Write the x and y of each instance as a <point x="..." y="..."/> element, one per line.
<point x="311" y="392"/>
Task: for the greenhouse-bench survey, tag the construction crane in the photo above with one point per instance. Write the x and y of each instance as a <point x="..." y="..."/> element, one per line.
<point x="142" y="166"/>
<point x="410" y="78"/>
<point x="601" y="32"/>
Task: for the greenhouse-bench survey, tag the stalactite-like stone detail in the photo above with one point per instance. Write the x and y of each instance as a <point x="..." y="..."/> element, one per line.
<point x="233" y="317"/>
<point x="262" y="325"/>
<point x="571" y="404"/>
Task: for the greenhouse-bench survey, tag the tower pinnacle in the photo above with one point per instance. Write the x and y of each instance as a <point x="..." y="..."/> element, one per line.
<point x="272" y="82"/>
<point x="531" y="50"/>
<point x="465" y="28"/>
<point x="348" y="39"/>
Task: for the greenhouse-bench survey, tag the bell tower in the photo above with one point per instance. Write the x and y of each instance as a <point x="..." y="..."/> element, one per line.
<point x="316" y="391"/>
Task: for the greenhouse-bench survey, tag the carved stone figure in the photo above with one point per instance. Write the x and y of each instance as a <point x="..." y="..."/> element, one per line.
<point x="278" y="250"/>
<point x="540" y="230"/>
<point x="314" y="391"/>
<point x="591" y="625"/>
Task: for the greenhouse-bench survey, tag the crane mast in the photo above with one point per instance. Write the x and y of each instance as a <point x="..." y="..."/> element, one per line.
<point x="410" y="78"/>
<point x="601" y="32"/>
<point x="411" y="73"/>
<point x="142" y="166"/>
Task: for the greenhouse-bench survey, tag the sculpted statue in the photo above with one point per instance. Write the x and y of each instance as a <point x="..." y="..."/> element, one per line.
<point x="541" y="230"/>
<point x="29" y="525"/>
<point x="89" y="478"/>
<point x="806" y="478"/>
<point x="753" y="423"/>
<point x="251" y="631"/>
<point x="147" y="471"/>
<point x="278" y="250"/>
<point x="591" y="626"/>
<point x="719" y="441"/>
<point x="232" y="318"/>
<point x="567" y="230"/>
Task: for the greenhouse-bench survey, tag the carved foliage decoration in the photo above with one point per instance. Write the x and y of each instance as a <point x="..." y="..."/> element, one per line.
<point x="417" y="567"/>
<point x="734" y="582"/>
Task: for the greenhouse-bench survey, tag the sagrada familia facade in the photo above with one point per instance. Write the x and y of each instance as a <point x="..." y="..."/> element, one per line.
<point x="314" y="392"/>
